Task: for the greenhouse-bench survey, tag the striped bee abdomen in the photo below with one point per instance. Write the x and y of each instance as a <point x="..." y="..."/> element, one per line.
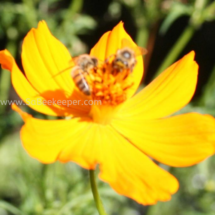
<point x="80" y="80"/>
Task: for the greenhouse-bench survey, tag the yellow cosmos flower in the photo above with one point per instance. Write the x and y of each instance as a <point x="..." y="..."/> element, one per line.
<point x="122" y="137"/>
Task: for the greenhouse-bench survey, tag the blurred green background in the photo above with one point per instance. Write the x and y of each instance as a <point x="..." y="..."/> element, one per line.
<point x="168" y="29"/>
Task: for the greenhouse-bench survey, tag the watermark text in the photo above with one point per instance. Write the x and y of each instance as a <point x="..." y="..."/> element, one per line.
<point x="51" y="102"/>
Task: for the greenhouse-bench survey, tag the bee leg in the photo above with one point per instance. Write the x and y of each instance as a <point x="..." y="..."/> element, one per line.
<point x="107" y="59"/>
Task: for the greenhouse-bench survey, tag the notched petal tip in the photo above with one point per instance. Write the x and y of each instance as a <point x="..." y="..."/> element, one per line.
<point x="192" y="54"/>
<point x="42" y="22"/>
<point x="110" y="42"/>
<point x="43" y="25"/>
<point x="6" y="60"/>
<point x="190" y="57"/>
<point x="120" y="25"/>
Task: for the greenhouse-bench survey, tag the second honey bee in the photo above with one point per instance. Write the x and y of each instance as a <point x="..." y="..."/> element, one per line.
<point x="125" y="58"/>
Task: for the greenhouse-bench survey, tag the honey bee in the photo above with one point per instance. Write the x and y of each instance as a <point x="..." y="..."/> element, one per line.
<point x="83" y="64"/>
<point x="125" y="58"/>
<point x="81" y="67"/>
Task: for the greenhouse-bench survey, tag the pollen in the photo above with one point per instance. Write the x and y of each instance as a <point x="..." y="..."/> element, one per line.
<point x="109" y="85"/>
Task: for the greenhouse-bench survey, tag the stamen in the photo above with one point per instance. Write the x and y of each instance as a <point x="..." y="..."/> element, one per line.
<point x="109" y="85"/>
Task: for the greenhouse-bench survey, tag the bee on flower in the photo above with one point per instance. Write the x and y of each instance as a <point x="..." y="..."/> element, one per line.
<point x="82" y="69"/>
<point x="123" y="134"/>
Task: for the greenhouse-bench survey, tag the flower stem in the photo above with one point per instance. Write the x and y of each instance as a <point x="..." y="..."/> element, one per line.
<point x="177" y="48"/>
<point x="95" y="192"/>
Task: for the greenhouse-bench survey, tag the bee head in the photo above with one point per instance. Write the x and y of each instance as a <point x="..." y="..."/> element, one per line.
<point x="94" y="61"/>
<point x="126" y="54"/>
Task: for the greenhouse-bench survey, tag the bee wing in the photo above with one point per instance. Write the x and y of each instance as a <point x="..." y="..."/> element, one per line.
<point x="74" y="60"/>
<point x="138" y="50"/>
<point x="127" y="43"/>
<point x="62" y="71"/>
<point x="77" y="71"/>
<point x="71" y="62"/>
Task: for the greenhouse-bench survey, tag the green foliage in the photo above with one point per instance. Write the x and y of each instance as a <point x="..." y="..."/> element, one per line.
<point x="176" y="10"/>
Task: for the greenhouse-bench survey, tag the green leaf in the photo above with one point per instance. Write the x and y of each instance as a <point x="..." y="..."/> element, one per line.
<point x="209" y="12"/>
<point x="175" y="12"/>
<point x="10" y="208"/>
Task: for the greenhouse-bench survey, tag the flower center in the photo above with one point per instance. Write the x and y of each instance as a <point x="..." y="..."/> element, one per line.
<point x="103" y="114"/>
<point x="109" y="83"/>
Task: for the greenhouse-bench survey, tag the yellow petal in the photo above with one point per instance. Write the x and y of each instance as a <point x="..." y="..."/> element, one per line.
<point x="63" y="140"/>
<point x="99" y="50"/>
<point x="43" y="56"/>
<point x="31" y="96"/>
<point x="109" y="43"/>
<point x="23" y="88"/>
<point x="84" y="147"/>
<point x="179" y="141"/>
<point x="46" y="139"/>
<point x="25" y="116"/>
<point x="123" y="166"/>
<point x="168" y="93"/>
<point x="131" y="173"/>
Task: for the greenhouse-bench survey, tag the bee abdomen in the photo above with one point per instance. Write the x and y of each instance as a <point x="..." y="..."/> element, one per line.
<point x="83" y="86"/>
<point x="81" y="83"/>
